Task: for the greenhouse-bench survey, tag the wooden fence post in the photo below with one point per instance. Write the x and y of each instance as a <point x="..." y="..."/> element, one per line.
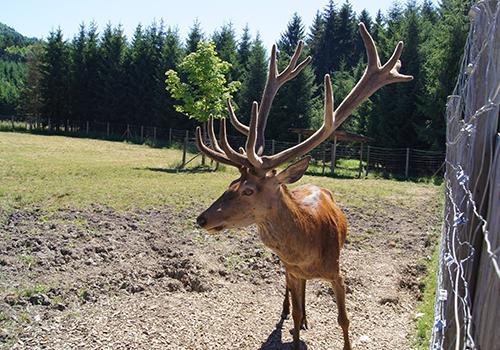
<point x="333" y="156"/>
<point x="154" y="135"/>
<point x="184" y="148"/>
<point x="142" y="133"/>
<point x="107" y="130"/>
<point x="407" y="167"/>
<point x="323" y="156"/>
<point x="170" y="136"/>
<point x="360" y="170"/>
<point x="367" y="160"/>
<point x="12" y="121"/>
<point x="88" y="127"/>
<point x="273" y="146"/>
<point x="299" y="138"/>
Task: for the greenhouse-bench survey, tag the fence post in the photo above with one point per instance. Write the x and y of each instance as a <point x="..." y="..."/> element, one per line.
<point x="299" y="140"/>
<point x="184" y="148"/>
<point x="407" y="167"/>
<point x="170" y="136"/>
<point x="360" y="170"/>
<point x="154" y="135"/>
<point x="88" y="126"/>
<point x="273" y="146"/>
<point x="66" y="129"/>
<point x="142" y="133"/>
<point x="107" y="130"/>
<point x="323" y="156"/>
<point x="367" y="160"/>
<point x="12" y="121"/>
<point x="333" y="156"/>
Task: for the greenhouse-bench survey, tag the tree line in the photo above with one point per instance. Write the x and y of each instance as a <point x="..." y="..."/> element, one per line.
<point x="103" y="76"/>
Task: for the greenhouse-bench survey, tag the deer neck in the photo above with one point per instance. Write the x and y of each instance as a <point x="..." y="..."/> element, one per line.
<point x="281" y="228"/>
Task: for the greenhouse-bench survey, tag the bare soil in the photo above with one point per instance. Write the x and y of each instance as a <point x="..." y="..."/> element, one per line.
<point x="149" y="279"/>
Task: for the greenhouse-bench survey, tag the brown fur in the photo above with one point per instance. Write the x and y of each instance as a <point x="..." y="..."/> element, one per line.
<point x="303" y="226"/>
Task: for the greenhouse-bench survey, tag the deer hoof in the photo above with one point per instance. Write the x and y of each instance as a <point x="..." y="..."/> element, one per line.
<point x="303" y="324"/>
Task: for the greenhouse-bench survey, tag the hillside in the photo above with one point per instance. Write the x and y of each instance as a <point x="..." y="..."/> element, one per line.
<point x="14" y="48"/>
<point x="10" y="37"/>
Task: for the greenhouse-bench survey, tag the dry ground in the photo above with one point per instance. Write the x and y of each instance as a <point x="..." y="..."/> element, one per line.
<point x="95" y="277"/>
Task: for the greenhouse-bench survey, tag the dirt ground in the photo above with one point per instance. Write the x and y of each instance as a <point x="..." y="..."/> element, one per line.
<point x="149" y="279"/>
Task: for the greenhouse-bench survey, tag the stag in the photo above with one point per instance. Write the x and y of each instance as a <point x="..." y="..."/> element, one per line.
<point x="303" y="226"/>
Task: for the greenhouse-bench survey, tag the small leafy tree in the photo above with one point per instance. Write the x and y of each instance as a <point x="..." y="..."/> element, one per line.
<point x="201" y="85"/>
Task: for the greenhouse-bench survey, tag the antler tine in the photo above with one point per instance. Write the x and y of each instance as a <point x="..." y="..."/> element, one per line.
<point x="218" y="157"/>
<point x="234" y="120"/>
<point x="211" y="134"/>
<point x="374" y="77"/>
<point x="252" y="138"/>
<point x="373" y="59"/>
<point x="228" y="150"/>
<point x="274" y="81"/>
<point x="314" y="140"/>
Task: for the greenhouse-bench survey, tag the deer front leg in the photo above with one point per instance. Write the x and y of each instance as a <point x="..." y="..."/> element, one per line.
<point x="343" y="319"/>
<point x="286" y="303"/>
<point x="297" y="290"/>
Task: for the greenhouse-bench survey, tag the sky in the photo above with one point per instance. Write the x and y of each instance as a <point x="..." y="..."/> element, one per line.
<point x="36" y="18"/>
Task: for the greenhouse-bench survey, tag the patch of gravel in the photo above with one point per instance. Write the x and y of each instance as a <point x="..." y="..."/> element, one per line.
<point x="149" y="279"/>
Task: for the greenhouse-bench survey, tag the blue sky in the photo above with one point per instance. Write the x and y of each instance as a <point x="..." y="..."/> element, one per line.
<point x="37" y="18"/>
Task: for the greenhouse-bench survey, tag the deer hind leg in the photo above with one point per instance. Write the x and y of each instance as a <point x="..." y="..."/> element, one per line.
<point x="286" y="304"/>
<point x="297" y="289"/>
<point x="343" y="319"/>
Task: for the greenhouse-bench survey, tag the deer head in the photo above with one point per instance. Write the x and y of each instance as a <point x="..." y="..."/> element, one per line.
<point x="250" y="198"/>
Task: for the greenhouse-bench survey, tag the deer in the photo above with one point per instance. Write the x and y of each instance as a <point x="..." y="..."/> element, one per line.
<point x="303" y="226"/>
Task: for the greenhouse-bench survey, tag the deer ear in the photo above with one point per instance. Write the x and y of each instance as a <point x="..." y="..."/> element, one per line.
<point x="294" y="172"/>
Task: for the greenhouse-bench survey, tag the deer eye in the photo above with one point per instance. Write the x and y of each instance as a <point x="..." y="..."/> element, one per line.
<point x="247" y="192"/>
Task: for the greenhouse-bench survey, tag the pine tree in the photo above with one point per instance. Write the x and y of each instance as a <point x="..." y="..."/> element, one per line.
<point x="314" y="41"/>
<point x="359" y="47"/>
<point x="443" y="52"/>
<point x="112" y="52"/>
<point x="194" y="37"/>
<point x="30" y="95"/>
<point x="344" y="36"/>
<point x="173" y="52"/>
<point x="253" y="80"/>
<point x="77" y="82"/>
<point x="292" y="106"/>
<point x="327" y="56"/>
<point x="244" y="47"/>
<point x="54" y="80"/>
<point x="225" y="44"/>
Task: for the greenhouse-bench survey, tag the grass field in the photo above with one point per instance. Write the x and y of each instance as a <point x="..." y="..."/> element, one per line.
<point x="56" y="171"/>
<point x="392" y="223"/>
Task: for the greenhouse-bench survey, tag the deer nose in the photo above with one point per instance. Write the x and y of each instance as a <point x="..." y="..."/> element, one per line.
<point x="201" y="221"/>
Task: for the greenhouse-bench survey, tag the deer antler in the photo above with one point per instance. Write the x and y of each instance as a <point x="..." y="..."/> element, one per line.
<point x="275" y="81"/>
<point x="374" y="77"/>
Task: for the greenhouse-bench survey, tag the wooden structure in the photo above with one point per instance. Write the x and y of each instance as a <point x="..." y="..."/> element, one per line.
<point x="337" y="135"/>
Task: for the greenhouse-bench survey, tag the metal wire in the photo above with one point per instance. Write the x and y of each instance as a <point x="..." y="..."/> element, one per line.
<point x="470" y="165"/>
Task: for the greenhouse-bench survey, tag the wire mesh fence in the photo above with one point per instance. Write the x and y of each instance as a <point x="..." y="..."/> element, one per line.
<point x="349" y="159"/>
<point x="467" y="310"/>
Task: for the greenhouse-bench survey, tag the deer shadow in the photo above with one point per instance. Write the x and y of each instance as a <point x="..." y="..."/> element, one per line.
<point x="176" y="170"/>
<point x="275" y="340"/>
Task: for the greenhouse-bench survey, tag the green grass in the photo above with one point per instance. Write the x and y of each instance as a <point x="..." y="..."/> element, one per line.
<point x="57" y="171"/>
<point x="425" y="323"/>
